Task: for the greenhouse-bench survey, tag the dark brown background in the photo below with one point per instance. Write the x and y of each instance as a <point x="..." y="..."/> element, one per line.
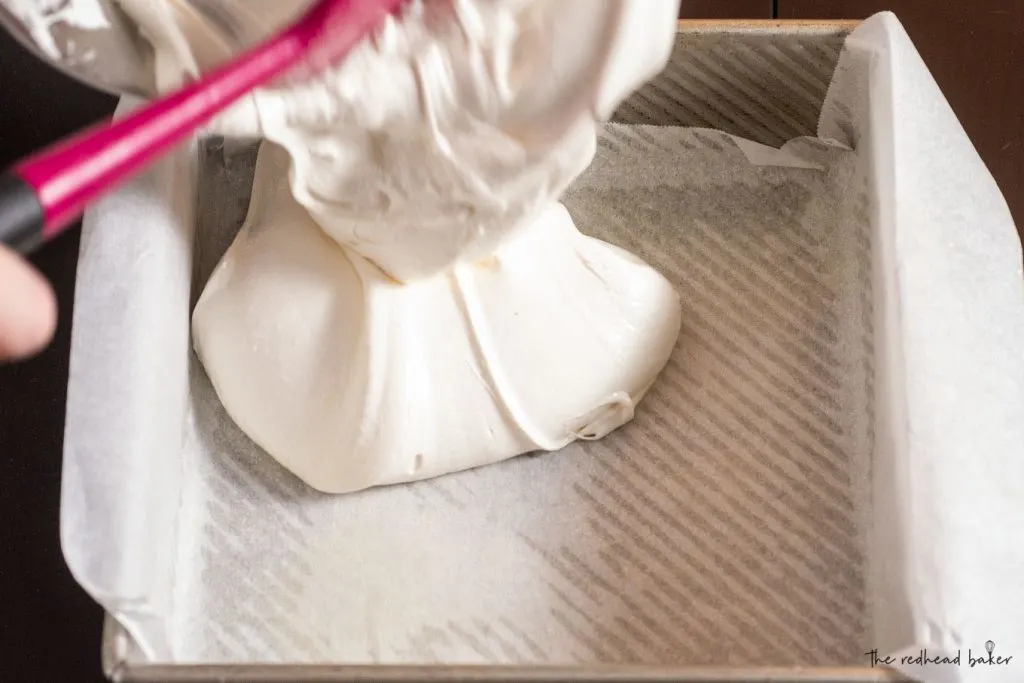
<point x="49" y="629"/>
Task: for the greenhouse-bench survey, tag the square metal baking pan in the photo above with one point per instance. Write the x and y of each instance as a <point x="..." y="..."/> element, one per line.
<point x="765" y="108"/>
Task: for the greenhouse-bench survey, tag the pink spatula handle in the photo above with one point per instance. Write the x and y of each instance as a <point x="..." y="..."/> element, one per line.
<point x="65" y="177"/>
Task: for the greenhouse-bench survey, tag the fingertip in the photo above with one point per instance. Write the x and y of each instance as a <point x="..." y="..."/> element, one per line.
<point x="28" y="308"/>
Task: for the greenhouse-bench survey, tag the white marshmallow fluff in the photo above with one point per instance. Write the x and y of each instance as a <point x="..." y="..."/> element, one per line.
<point x="407" y="297"/>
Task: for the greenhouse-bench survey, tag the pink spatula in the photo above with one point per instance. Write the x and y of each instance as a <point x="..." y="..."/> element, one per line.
<point x="44" y="194"/>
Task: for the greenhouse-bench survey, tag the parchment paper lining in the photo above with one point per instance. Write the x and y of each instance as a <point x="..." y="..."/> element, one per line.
<point x="720" y="527"/>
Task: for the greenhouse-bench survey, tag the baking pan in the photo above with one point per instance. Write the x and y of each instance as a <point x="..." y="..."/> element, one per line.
<point x="763" y="82"/>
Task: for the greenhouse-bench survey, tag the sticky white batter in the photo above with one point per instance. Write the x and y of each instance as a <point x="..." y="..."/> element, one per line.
<point x="39" y="17"/>
<point x="407" y="298"/>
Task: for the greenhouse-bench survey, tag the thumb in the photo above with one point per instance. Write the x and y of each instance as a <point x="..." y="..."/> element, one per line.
<point x="28" y="308"/>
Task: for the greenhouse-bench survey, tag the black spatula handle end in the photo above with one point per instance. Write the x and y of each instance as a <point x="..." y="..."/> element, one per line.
<point x="21" y="214"/>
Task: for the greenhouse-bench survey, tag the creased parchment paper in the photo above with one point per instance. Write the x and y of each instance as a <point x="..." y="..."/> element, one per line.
<point x="831" y="464"/>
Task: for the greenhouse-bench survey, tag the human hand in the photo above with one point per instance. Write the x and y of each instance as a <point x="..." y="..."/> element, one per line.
<point x="28" y="308"/>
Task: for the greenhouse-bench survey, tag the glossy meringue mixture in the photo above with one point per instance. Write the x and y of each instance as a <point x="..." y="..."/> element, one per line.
<point x="407" y="298"/>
